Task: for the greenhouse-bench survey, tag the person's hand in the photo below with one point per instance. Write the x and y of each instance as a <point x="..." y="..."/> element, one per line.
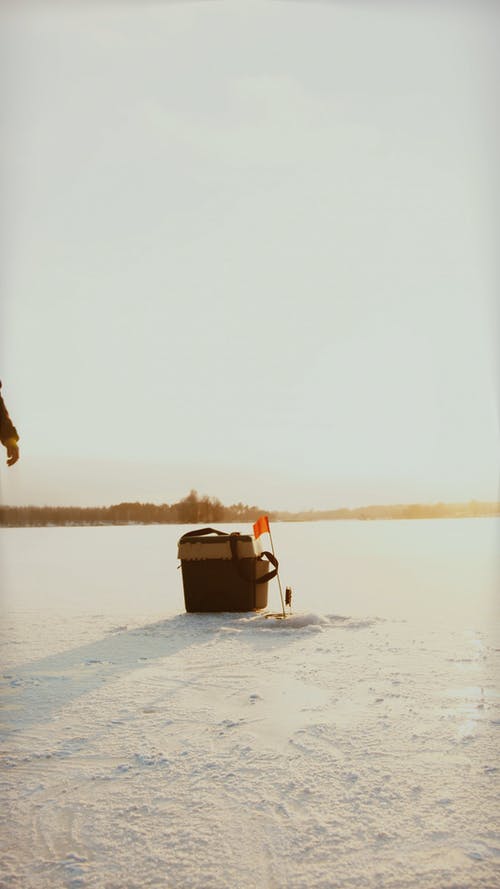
<point x="12" y="451"/>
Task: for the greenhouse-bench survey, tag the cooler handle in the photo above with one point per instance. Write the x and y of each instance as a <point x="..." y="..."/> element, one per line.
<point x="202" y="532"/>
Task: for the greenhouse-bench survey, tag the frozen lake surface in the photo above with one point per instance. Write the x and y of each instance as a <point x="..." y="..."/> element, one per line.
<point x="356" y="745"/>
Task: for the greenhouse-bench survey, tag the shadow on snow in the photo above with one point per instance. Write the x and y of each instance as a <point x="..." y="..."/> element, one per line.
<point x="35" y="691"/>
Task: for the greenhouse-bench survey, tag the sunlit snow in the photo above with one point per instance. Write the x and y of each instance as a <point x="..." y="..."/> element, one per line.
<point x="353" y="745"/>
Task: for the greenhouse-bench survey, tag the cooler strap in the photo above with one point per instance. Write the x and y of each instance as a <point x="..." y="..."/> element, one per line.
<point x="202" y="532"/>
<point x="233" y="542"/>
<point x="270" y="574"/>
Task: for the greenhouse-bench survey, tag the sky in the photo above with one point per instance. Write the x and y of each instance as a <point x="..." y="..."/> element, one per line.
<point x="250" y="248"/>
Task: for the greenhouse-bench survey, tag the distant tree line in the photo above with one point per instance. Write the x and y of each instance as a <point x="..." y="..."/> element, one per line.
<point x="470" y="509"/>
<point x="195" y="509"/>
<point x="192" y="509"/>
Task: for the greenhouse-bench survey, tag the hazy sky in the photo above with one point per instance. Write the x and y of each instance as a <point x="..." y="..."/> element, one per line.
<point x="251" y="248"/>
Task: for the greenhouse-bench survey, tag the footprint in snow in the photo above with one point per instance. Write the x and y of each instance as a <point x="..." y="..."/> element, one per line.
<point x="230" y="724"/>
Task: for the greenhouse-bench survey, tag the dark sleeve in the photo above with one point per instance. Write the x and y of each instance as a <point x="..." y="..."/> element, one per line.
<point x="7" y="428"/>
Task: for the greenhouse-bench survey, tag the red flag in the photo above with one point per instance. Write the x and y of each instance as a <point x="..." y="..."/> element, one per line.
<point x="261" y="526"/>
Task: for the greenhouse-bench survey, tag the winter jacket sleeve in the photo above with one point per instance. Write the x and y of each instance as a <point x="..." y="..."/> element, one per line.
<point x="7" y="429"/>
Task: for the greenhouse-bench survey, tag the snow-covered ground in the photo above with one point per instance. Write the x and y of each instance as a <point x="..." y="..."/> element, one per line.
<point x="355" y="745"/>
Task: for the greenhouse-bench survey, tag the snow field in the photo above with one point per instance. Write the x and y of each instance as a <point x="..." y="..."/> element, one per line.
<point x="204" y="752"/>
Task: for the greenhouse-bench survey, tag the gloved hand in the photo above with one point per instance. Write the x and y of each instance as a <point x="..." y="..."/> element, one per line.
<point x="12" y="451"/>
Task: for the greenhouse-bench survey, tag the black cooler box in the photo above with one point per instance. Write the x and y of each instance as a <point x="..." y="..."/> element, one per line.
<point x="224" y="572"/>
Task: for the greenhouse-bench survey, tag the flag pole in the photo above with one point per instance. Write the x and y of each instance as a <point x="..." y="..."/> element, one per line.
<point x="277" y="573"/>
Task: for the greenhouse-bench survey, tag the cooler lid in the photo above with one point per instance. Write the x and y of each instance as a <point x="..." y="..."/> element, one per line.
<point x="195" y="548"/>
